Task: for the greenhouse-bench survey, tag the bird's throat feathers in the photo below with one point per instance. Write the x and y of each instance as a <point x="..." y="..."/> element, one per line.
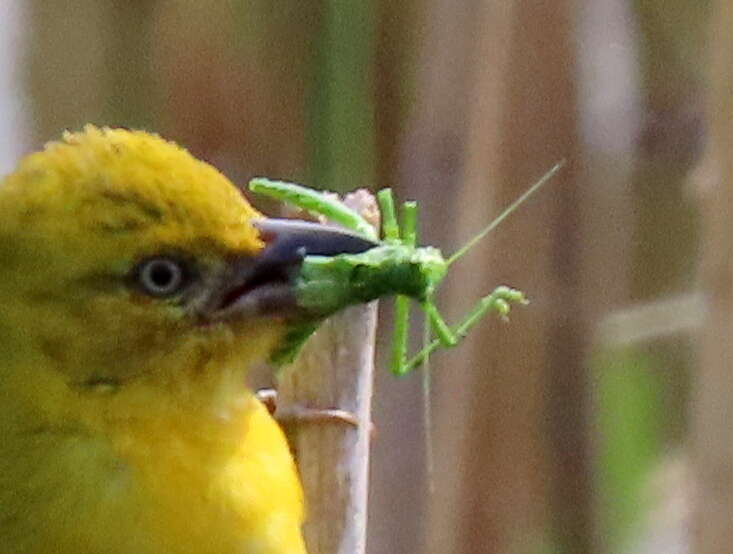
<point x="203" y="379"/>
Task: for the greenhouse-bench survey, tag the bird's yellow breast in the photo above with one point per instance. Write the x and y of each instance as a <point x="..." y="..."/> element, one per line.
<point x="219" y="483"/>
<point x="222" y="484"/>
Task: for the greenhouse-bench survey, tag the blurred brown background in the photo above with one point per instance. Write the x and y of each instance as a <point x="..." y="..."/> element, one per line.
<point x="564" y="431"/>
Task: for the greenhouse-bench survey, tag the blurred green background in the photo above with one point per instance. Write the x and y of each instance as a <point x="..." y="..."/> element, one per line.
<point x="560" y="432"/>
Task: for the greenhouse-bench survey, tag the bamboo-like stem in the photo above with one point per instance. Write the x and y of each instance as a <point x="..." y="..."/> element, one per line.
<point x="712" y="407"/>
<point x="334" y="372"/>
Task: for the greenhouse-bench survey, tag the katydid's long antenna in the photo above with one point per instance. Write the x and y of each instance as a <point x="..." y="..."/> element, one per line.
<point x="513" y="206"/>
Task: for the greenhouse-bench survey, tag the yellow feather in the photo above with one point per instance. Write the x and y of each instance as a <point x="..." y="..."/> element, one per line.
<point x="125" y="426"/>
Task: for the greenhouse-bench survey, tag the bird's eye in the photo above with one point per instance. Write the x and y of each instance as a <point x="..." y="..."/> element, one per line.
<point x="161" y="277"/>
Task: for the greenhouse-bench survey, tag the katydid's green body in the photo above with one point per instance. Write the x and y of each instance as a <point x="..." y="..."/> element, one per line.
<point x="327" y="284"/>
<point x="396" y="266"/>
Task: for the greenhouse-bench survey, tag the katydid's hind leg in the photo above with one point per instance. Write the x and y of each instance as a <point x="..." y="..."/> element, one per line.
<point x="296" y="415"/>
<point x="444" y="333"/>
<point x="500" y="301"/>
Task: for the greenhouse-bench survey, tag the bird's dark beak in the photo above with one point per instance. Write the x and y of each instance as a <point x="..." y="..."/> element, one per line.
<point x="263" y="284"/>
<point x="290" y="240"/>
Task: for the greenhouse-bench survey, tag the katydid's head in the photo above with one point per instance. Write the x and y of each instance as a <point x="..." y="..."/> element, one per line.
<point x="123" y="259"/>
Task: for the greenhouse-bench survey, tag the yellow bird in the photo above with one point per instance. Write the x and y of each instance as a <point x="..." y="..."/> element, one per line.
<point x="137" y="286"/>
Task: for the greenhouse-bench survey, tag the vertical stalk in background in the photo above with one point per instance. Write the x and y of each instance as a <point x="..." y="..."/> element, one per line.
<point x="128" y="80"/>
<point x="713" y="400"/>
<point x="65" y="60"/>
<point x="435" y="81"/>
<point x="91" y="64"/>
<point x="342" y="102"/>
<point x="522" y="470"/>
<point x="233" y="89"/>
<point x="628" y="421"/>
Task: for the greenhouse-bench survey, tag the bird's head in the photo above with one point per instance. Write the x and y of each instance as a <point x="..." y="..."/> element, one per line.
<point x="126" y="262"/>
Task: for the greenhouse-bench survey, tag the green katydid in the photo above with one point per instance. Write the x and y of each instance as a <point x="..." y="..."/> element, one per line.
<point x="396" y="266"/>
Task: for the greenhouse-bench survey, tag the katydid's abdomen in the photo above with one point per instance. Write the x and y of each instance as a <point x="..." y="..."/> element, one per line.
<point x="327" y="284"/>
